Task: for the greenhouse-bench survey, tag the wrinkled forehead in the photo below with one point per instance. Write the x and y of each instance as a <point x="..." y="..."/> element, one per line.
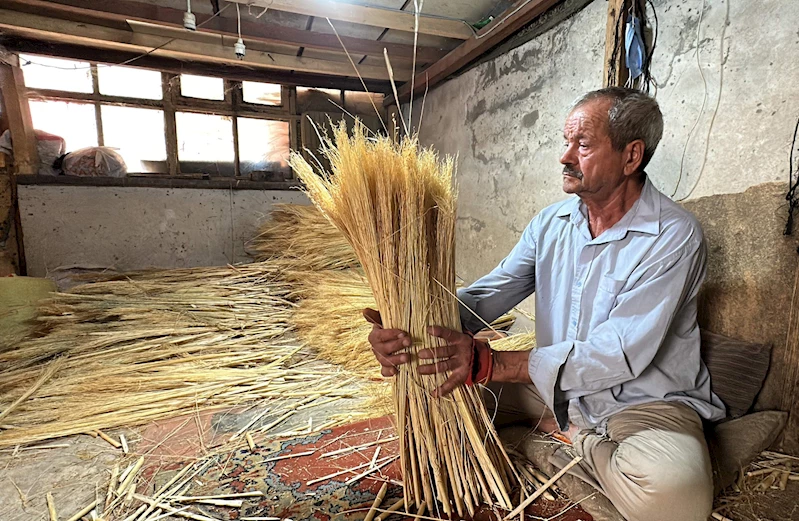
<point x="590" y="118"/>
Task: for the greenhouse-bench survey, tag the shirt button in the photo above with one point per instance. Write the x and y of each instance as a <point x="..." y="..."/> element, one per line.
<point x="580" y="284"/>
<point x="574" y="322"/>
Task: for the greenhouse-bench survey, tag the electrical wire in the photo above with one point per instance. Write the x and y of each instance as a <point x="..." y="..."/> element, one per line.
<point x="704" y="101"/>
<point x="497" y="24"/>
<point x="715" y="109"/>
<point x="238" y="18"/>
<point x="126" y="62"/>
<point x="793" y="185"/>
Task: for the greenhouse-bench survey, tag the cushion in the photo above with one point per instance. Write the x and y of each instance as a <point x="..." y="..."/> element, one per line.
<point x="737" y="370"/>
<point x="735" y="444"/>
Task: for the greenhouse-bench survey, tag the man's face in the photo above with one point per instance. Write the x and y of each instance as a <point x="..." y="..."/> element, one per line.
<point x="592" y="167"/>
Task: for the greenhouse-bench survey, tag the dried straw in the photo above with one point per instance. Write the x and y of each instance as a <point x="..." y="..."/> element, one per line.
<point x="395" y="204"/>
<point x="303" y="239"/>
<point x="150" y="345"/>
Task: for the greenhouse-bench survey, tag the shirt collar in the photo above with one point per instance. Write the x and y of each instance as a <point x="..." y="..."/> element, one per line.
<point x="643" y="217"/>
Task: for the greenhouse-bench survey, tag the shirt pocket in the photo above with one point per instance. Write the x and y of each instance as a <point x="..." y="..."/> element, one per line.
<point x="607" y="292"/>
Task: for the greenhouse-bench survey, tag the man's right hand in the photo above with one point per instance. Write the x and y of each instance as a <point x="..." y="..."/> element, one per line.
<point x="386" y="342"/>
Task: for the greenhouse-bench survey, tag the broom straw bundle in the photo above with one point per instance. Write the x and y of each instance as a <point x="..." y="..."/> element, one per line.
<point x="396" y="205"/>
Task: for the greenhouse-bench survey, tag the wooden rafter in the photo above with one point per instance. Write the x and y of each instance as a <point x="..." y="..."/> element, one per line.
<point x="229" y="71"/>
<point x="36" y="27"/>
<point x="514" y="18"/>
<point x="366" y="15"/>
<point x="115" y="13"/>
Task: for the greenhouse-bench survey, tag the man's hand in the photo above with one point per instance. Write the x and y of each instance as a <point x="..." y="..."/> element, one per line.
<point x="457" y="357"/>
<point x="386" y="342"/>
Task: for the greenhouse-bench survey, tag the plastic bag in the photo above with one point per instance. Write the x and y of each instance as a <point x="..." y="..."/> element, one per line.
<point x="49" y="146"/>
<point x="95" y="162"/>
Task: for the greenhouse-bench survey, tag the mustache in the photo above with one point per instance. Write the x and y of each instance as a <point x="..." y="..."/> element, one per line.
<point x="571" y="171"/>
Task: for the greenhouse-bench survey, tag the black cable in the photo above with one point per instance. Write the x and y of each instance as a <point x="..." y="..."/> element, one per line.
<point x="793" y="185"/>
<point x="616" y="49"/>
<point x="648" y="60"/>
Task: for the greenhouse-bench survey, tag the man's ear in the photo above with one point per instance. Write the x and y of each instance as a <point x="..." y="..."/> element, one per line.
<point x="633" y="156"/>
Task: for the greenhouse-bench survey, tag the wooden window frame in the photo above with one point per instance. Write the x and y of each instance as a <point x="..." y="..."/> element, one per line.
<point x="172" y="101"/>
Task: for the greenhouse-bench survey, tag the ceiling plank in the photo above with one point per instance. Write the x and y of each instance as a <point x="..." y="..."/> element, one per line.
<point x="514" y="18"/>
<point x="60" y="31"/>
<point x="374" y="16"/>
<point x="232" y="71"/>
<point x="114" y="13"/>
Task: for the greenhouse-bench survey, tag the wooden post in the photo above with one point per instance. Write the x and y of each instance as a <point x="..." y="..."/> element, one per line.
<point x="26" y="161"/>
<point x="170" y="85"/>
<point x="614" y="73"/>
<point x="12" y="86"/>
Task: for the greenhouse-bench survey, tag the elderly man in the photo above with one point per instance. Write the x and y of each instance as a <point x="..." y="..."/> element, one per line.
<point x="615" y="272"/>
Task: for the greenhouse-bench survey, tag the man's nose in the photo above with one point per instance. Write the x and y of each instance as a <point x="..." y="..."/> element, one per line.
<point x="568" y="156"/>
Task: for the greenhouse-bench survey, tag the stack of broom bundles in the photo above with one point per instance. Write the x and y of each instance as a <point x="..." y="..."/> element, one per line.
<point x="395" y="204"/>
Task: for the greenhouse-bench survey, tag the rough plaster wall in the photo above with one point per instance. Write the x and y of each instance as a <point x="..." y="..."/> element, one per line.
<point x="133" y="228"/>
<point x="504" y="118"/>
<point x="504" y="121"/>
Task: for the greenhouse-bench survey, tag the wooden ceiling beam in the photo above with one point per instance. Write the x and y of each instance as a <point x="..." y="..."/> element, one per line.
<point x="114" y="13"/>
<point x="366" y="15"/>
<point x="60" y="31"/>
<point x="232" y="72"/>
<point x="521" y="13"/>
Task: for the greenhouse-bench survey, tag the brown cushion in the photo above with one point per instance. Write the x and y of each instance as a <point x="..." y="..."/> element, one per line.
<point x="737" y="370"/>
<point x="736" y="443"/>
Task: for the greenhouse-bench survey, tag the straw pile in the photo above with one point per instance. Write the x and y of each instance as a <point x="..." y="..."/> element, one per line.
<point x="152" y="345"/>
<point x="396" y="206"/>
<point x="302" y="238"/>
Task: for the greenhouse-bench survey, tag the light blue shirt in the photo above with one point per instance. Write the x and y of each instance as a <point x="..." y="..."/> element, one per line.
<point x="615" y="315"/>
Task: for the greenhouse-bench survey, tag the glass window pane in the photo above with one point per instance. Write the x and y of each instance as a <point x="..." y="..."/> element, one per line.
<point x="204" y="87"/>
<point x="261" y="93"/>
<point x="42" y="72"/>
<point x="139" y="136"/>
<point x="75" y="122"/>
<point x="204" y="137"/>
<point x="129" y="81"/>
<point x="263" y="145"/>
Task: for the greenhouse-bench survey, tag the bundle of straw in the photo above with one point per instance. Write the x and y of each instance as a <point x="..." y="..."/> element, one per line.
<point x="155" y="344"/>
<point x="395" y="204"/>
<point x="302" y="238"/>
<point x="329" y="319"/>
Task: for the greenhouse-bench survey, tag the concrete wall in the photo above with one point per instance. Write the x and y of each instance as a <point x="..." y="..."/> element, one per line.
<point x="504" y="118"/>
<point x="133" y="228"/>
<point x="725" y="145"/>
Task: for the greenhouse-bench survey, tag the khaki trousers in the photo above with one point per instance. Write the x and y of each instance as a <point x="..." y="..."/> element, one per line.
<point x="652" y="463"/>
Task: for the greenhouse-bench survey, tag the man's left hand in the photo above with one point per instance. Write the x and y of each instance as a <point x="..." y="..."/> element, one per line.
<point x="457" y="357"/>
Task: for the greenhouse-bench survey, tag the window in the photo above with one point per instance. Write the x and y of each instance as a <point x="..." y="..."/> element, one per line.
<point x="138" y="134"/>
<point x="41" y="72"/>
<point x="261" y="93"/>
<point x="75" y="122"/>
<point x="263" y="145"/>
<point x="205" y="143"/>
<point x="203" y="87"/>
<point x="129" y="82"/>
<point x="214" y="127"/>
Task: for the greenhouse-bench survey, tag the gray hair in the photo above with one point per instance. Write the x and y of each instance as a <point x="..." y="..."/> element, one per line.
<point x="632" y="115"/>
